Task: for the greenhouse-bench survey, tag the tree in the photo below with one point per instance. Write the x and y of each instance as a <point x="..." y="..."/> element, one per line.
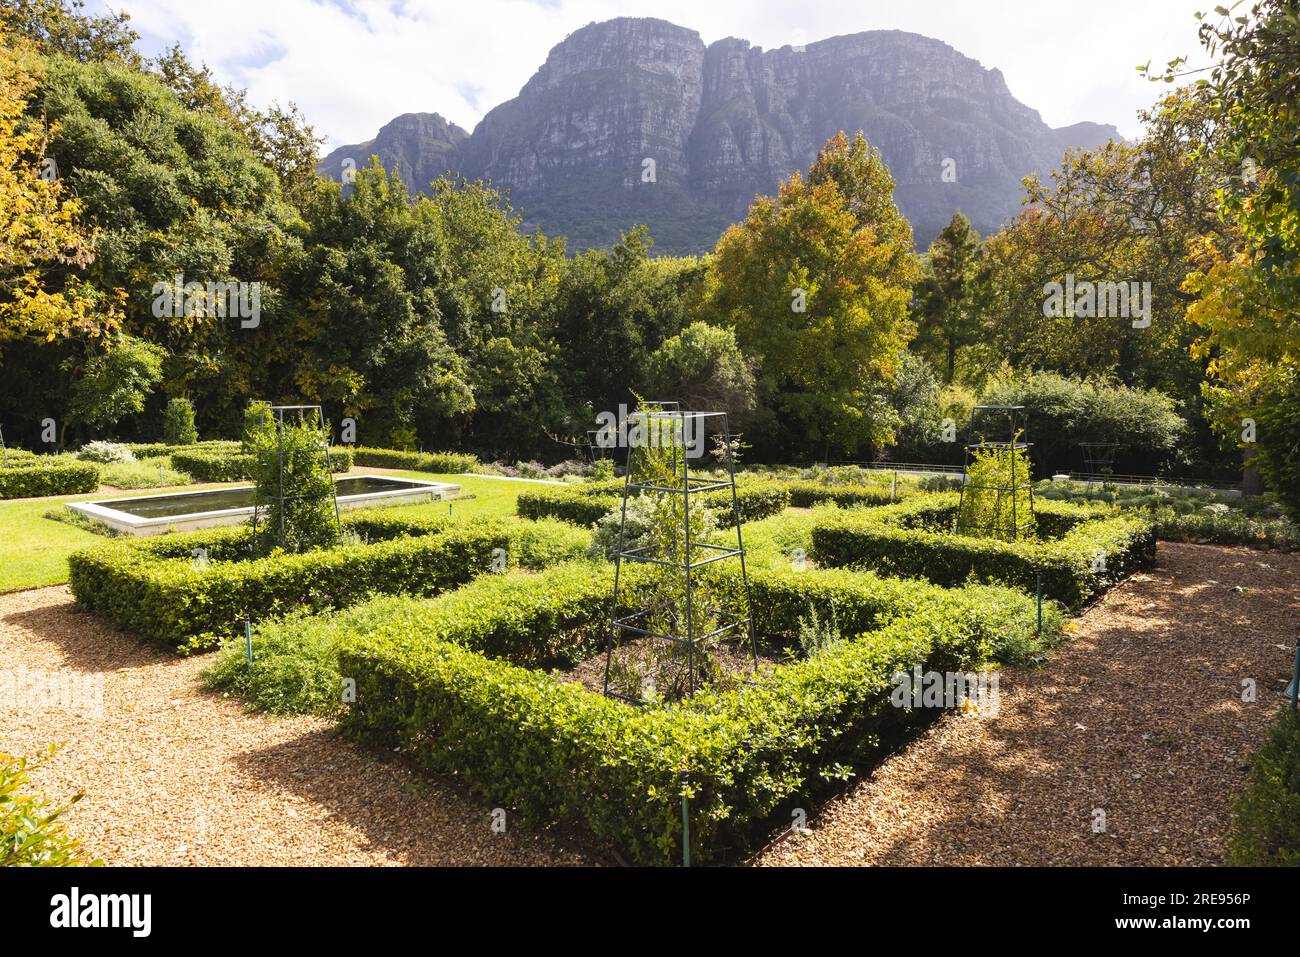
<point x="816" y="283"/>
<point x="1123" y="214"/>
<point x="947" y="310"/>
<point x="178" y="422"/>
<point x="1246" y="312"/>
<point x="59" y="26"/>
<point x="703" y="369"/>
<point x="43" y="240"/>
<point x="114" y="383"/>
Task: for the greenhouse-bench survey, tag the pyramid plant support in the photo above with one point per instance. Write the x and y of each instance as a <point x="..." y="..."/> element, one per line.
<point x="1014" y="449"/>
<point x="277" y="413"/>
<point x="1098" y="459"/>
<point x="672" y="430"/>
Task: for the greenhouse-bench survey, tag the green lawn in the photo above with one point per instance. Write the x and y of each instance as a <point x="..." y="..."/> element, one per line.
<point x="34" y="550"/>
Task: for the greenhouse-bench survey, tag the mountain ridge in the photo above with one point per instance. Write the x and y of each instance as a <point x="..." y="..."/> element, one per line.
<point x="637" y="120"/>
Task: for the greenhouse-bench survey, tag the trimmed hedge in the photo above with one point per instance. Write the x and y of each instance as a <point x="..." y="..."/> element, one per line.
<point x="1266" y="818"/>
<point x="444" y="463"/>
<point x="152" y="588"/>
<point x="806" y="494"/>
<point x="553" y="749"/>
<point x="587" y="504"/>
<point x="222" y="465"/>
<point x="34" y="478"/>
<point x="912" y="538"/>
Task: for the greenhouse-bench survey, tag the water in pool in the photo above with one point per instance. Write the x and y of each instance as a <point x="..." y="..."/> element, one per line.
<point x="170" y="506"/>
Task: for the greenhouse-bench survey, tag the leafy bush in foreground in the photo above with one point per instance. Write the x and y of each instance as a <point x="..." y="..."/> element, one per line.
<point x="1266" y="820"/>
<point x="30" y="832"/>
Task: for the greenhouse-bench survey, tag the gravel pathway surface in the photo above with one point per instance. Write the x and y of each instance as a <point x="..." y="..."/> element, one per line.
<point x="176" y="775"/>
<point x="1139" y="715"/>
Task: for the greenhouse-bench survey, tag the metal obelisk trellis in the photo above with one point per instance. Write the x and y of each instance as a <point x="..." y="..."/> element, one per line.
<point x="686" y="432"/>
<point x="277" y="413"/>
<point x="1014" y="449"/>
<point x="1098" y="460"/>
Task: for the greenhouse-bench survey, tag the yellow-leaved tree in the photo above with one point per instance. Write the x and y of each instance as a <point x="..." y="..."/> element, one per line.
<point x="43" y="243"/>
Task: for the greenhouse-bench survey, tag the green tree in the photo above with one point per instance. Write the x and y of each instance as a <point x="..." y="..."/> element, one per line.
<point x="1246" y="295"/>
<point x="816" y="282"/>
<point x="60" y="26"/>
<point x="703" y="369"/>
<point x="611" y="310"/>
<point x="947" y="308"/>
<point x="178" y="422"/>
<point x="114" y="384"/>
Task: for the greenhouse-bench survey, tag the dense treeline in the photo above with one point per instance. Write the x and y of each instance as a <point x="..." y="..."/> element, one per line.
<point x="179" y="243"/>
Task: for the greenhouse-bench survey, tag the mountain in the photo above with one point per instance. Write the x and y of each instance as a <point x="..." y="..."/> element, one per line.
<point x="636" y="120"/>
<point x="420" y="146"/>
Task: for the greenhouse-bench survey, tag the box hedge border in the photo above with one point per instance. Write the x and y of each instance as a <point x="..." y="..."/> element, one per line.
<point x="589" y="503"/>
<point x="33" y="478"/>
<point x="439" y="688"/>
<point x="442" y="463"/>
<point x="913" y="538"/>
<point x="224" y="465"/>
<point x="152" y="588"/>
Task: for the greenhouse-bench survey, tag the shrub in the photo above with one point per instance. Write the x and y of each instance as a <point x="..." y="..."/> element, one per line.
<point x="105" y="452"/>
<point x="48" y="475"/>
<point x="640" y="528"/>
<point x="294" y="484"/>
<point x="1266" y="820"/>
<point x="998" y="495"/>
<point x="806" y="494"/>
<point x="214" y="466"/>
<point x="295" y="667"/>
<point x="178" y="422"/>
<point x="1193" y="516"/>
<point x="30" y="832"/>
<point x="155" y="588"/>
<point x="1082" y="550"/>
<point x="144" y="473"/>
<point x="443" y="463"/>
<point x="225" y="463"/>
<point x="587" y="504"/>
<point x="456" y="697"/>
<point x="1061" y="412"/>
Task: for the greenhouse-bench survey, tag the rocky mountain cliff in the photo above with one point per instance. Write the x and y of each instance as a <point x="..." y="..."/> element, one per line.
<point x="638" y="121"/>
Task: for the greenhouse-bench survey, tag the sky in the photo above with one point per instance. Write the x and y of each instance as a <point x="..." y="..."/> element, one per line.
<point x="352" y="65"/>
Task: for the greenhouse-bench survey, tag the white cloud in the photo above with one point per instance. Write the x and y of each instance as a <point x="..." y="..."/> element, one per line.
<point x="352" y="65"/>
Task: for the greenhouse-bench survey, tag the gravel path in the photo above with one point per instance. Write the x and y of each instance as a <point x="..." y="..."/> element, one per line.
<point x="1139" y="715"/>
<point x="176" y="775"/>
